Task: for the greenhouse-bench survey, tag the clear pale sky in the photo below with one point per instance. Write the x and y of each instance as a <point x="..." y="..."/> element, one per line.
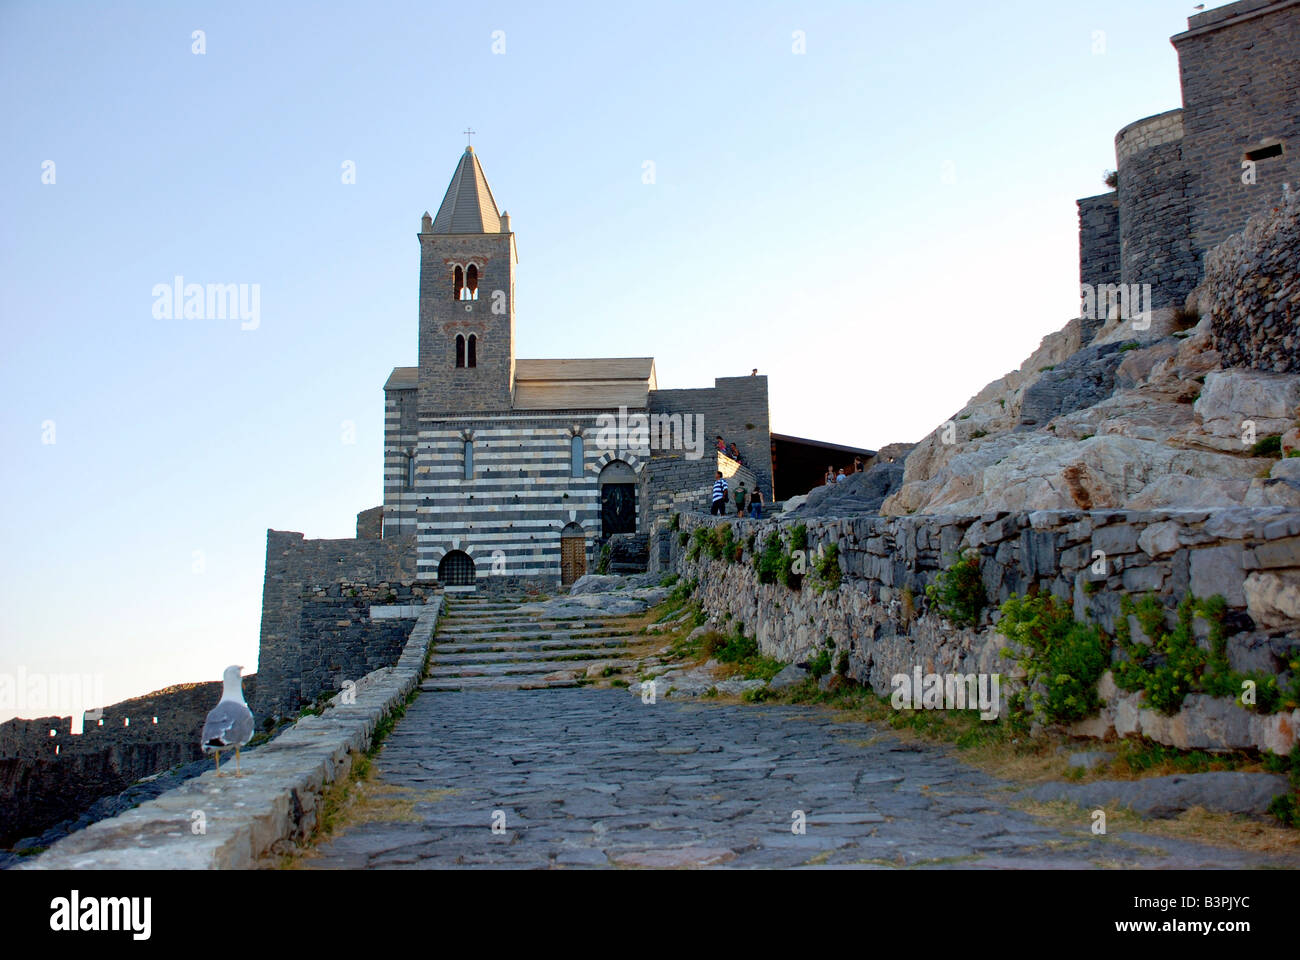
<point x="882" y="225"/>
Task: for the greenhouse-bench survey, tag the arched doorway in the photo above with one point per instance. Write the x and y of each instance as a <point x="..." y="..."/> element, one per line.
<point x="456" y="569"/>
<point x="617" y="499"/>
<point x="573" y="553"/>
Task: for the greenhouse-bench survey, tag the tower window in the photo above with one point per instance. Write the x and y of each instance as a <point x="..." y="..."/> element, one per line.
<point x="460" y="350"/>
<point x="575" y="457"/>
<point x="1265" y="153"/>
<point x="410" y="471"/>
<point x="457" y="282"/>
<point x="473" y="350"/>
<point x="469" y="459"/>
<point x="471" y="282"/>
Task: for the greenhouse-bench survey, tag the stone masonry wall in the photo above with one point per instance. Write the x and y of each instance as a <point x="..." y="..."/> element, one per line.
<point x="1154" y="209"/>
<point x="294" y="565"/>
<point x="1098" y="248"/>
<point x="736" y="408"/>
<point x="1251" y="557"/>
<point x="1252" y="291"/>
<point x="1240" y="89"/>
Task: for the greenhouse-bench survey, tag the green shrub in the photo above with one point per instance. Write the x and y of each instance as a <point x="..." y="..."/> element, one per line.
<point x="1174" y="665"/>
<point x="1062" y="658"/>
<point x="768" y="562"/>
<point x="723" y="543"/>
<point x="799" y="537"/>
<point x="683" y="538"/>
<point x="1267" y="446"/>
<point x="602" y="565"/>
<point x="701" y="538"/>
<point x="676" y="522"/>
<point x="826" y="568"/>
<point x="668" y="580"/>
<point x="820" y="665"/>
<point x="958" y="592"/>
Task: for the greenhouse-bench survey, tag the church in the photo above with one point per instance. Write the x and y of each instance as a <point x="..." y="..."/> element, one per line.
<point x="509" y="473"/>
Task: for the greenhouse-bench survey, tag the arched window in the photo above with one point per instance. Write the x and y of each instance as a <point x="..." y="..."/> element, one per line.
<point x="471" y="282"/>
<point x="457" y="282"/>
<point x="473" y="351"/>
<point x="575" y="456"/>
<point x="456" y="569"/>
<point x="460" y="350"/>
<point x="410" y="471"/>
<point x="469" y="459"/>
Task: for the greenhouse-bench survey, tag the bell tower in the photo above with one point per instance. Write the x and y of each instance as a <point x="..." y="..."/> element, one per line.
<point x="467" y="299"/>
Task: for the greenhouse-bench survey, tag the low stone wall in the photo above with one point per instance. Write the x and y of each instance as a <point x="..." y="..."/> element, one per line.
<point x="277" y="799"/>
<point x="879" y="614"/>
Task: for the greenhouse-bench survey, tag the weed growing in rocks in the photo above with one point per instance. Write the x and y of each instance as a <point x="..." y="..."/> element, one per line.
<point x="1267" y="447"/>
<point x="1062" y="658"/>
<point x="826" y="569"/>
<point x="820" y="665"/>
<point x="958" y="592"/>
<point x="1174" y="665"/>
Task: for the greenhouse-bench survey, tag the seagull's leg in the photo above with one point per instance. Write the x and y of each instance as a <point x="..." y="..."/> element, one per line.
<point x="217" y="754"/>
<point x="237" y="773"/>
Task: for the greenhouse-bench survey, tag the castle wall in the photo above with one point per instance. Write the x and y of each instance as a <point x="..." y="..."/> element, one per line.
<point x="1241" y="87"/>
<point x="45" y="780"/>
<point x="1099" y="261"/>
<point x="1154" y="209"/>
<point x="294" y="566"/>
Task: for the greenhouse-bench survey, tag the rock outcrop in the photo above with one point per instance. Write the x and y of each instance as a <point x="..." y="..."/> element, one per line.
<point x="1148" y="415"/>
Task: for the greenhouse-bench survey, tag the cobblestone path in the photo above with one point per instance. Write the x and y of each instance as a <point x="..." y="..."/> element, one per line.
<point x="596" y="778"/>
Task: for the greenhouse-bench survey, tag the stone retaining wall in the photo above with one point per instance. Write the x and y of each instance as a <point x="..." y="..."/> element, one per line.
<point x="879" y="614"/>
<point x="1252" y="291"/>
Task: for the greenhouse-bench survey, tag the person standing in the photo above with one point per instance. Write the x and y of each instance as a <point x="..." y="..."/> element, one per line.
<point x="857" y="464"/>
<point x="830" y="475"/>
<point x="839" y="477"/>
<point x="719" y="506"/>
<point x="740" y="499"/>
<point x="756" y="504"/>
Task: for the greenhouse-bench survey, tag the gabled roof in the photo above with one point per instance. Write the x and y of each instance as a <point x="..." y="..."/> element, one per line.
<point x="604" y="383"/>
<point x="403" y="378"/>
<point x="468" y="206"/>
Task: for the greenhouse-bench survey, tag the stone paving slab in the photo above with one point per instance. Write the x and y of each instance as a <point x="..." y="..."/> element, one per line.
<point x="275" y="799"/>
<point x="592" y="779"/>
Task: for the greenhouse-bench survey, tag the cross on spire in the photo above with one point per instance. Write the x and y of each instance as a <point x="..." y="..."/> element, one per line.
<point x="468" y="133"/>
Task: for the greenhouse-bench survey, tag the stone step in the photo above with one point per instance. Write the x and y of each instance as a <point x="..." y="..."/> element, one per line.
<point x="601" y="643"/>
<point x="457" y="684"/>
<point x="484" y="636"/>
<point x="512" y="668"/>
<point x="515" y="617"/>
<point x="518" y="656"/>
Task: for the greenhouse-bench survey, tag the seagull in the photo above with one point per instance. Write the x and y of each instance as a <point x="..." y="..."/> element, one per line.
<point x="230" y="723"/>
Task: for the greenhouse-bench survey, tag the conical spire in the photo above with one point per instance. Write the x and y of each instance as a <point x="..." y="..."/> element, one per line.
<point x="468" y="206"/>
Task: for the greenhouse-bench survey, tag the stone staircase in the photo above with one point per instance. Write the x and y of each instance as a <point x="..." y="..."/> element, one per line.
<point x="484" y="643"/>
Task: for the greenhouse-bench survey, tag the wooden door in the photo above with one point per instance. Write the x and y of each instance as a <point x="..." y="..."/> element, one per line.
<point x="573" y="559"/>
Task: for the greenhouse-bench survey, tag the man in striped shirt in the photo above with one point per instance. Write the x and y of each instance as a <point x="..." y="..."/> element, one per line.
<point x="719" y="507"/>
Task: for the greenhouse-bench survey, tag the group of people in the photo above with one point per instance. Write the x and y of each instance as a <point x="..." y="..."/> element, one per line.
<point x="834" y="476"/>
<point x="748" y="503"/>
<point x="730" y="449"/>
